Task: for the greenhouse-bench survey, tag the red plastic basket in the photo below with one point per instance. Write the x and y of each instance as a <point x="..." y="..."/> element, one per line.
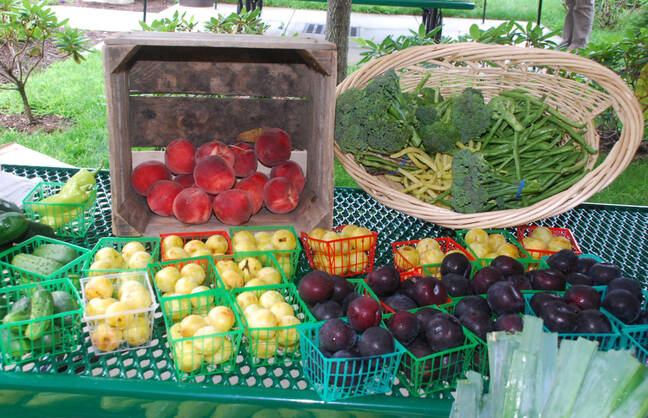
<point x="322" y="254"/>
<point x="202" y="236"/>
<point x="526" y="230"/>
<point x="446" y="244"/>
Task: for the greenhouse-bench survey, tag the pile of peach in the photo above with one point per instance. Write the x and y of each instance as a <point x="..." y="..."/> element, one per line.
<point x="222" y="179"/>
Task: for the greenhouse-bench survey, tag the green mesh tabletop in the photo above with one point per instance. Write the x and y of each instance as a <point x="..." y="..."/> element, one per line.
<point x="143" y="383"/>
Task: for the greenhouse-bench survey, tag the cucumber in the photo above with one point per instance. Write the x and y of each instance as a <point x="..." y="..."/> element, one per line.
<point x="7" y="206"/>
<point x="34" y="264"/>
<point x="15" y="346"/>
<point x="12" y="225"/>
<point x="3" y="306"/>
<point x="23" y="305"/>
<point x="15" y="317"/>
<point x="42" y="305"/>
<point x="57" y="252"/>
<point x="64" y="302"/>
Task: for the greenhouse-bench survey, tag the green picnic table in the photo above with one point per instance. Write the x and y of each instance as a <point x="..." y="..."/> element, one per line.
<point x="142" y="383"/>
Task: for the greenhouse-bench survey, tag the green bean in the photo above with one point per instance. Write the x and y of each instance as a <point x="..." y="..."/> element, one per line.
<point x="575" y="136"/>
<point x="516" y="156"/>
<point x="520" y="95"/>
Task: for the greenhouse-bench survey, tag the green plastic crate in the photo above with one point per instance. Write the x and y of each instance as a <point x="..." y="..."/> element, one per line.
<point x="151" y="245"/>
<point x="273" y="345"/>
<point x="339" y="378"/>
<point x="212" y="279"/>
<point x="202" y="355"/>
<point x="288" y="259"/>
<point x="66" y="219"/>
<point x="17" y="275"/>
<point x="510" y="238"/>
<point x="249" y="266"/>
<point x="633" y="333"/>
<point x="190" y="236"/>
<point x="130" y="329"/>
<point x="63" y="329"/>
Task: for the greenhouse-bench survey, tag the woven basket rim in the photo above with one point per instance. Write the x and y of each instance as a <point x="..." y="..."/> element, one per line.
<point x="620" y="97"/>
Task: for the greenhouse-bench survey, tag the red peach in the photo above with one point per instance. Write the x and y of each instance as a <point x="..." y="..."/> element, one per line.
<point x="280" y="195"/>
<point x="292" y="171"/>
<point x="273" y="146"/>
<point x="245" y="161"/>
<point x="216" y="147"/>
<point x="213" y="174"/>
<point x="146" y="174"/>
<point x="161" y="195"/>
<point x="233" y="207"/>
<point x="185" y="180"/>
<point x="192" y="206"/>
<point x="255" y="189"/>
<point x="259" y="178"/>
<point x="180" y="156"/>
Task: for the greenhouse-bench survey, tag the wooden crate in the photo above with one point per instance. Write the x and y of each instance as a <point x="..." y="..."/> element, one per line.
<point x="201" y="86"/>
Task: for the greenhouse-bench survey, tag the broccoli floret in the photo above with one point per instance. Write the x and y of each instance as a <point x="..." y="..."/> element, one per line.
<point x="504" y="108"/>
<point x="438" y="137"/>
<point x="470" y="114"/>
<point x="476" y="187"/>
<point x="426" y="115"/>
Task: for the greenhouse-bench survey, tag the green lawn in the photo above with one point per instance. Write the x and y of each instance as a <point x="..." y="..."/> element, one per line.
<point x="77" y="92"/>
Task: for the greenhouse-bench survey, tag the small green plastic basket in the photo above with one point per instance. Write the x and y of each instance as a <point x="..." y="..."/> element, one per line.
<point x="62" y="330"/>
<point x="248" y="266"/>
<point x="66" y="219"/>
<point x="341" y="378"/>
<point x="16" y="275"/>
<point x="510" y="238"/>
<point x="638" y="333"/>
<point x="276" y="344"/>
<point x="151" y="246"/>
<point x="211" y="279"/>
<point x="287" y="259"/>
<point x="638" y="345"/>
<point x="190" y="236"/>
<point x="527" y="263"/>
<point x="207" y="354"/>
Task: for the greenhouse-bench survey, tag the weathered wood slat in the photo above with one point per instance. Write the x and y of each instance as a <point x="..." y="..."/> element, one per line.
<point x="156" y="121"/>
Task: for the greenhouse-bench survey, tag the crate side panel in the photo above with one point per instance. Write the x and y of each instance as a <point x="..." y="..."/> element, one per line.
<point x="156" y="121"/>
<point x="223" y="78"/>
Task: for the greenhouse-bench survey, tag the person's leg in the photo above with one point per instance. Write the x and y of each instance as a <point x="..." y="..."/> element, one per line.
<point x="569" y="23"/>
<point x="583" y="19"/>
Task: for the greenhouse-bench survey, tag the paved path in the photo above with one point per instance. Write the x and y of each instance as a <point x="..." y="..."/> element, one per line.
<point x="286" y="21"/>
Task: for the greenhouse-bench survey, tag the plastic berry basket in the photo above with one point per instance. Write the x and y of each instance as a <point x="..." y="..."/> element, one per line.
<point x="637" y="332"/>
<point x="278" y="344"/>
<point x="611" y="341"/>
<point x="510" y="239"/>
<point x="124" y="330"/>
<point x="190" y="236"/>
<point x="247" y="269"/>
<point x="527" y="263"/>
<point x="18" y="275"/>
<point x="61" y="330"/>
<point x="212" y="280"/>
<point x="361" y="288"/>
<point x="287" y="259"/>
<point x="66" y="219"/>
<point x="151" y="245"/>
<point x="407" y="269"/>
<point x="331" y="257"/>
<point x="207" y="354"/>
<point x="340" y="378"/>
<point x="524" y="231"/>
<point x="599" y="288"/>
<point x="639" y="346"/>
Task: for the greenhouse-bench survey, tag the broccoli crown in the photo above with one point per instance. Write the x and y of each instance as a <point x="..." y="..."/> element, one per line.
<point x="438" y="137"/>
<point x="426" y="115"/>
<point x="469" y="173"/>
<point x="470" y="114"/>
<point x="504" y="108"/>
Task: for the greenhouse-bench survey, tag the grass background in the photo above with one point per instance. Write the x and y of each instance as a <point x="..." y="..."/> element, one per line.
<point x="76" y="91"/>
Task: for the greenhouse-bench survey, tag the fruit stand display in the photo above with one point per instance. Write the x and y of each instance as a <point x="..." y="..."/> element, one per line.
<point x="144" y="382"/>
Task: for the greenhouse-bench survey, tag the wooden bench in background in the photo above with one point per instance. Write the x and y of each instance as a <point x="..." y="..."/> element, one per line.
<point x="432" y="9"/>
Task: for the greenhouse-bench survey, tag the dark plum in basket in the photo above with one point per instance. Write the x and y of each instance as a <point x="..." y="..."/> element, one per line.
<point x="485" y="278"/>
<point x="564" y="261"/>
<point x="348" y="299"/>
<point x="424" y="315"/>
<point x="575" y="278"/>
<point x="448" y="365"/>
<point x="430" y="291"/>
<point x="375" y="341"/>
<point x="479" y="325"/>
<point x="336" y="335"/>
<point x="364" y="312"/>
<point x="400" y="303"/>
<point x="540" y="300"/>
<point x="509" y="323"/>
<point x="559" y="317"/>
<point x="506" y="265"/>
<point x="384" y="280"/>
<point x="456" y="263"/>
<point x="471" y="305"/>
<point x="327" y="310"/>
<point x="316" y="286"/>
<point x="642" y="319"/>
<point x="603" y="273"/>
<point x="623" y="305"/>
<point x="583" y="264"/>
<point x="632" y="286"/>
<point x="345" y="373"/>
<point x="592" y="321"/>
<point x="341" y="288"/>
<point x="443" y="332"/>
<point x="413" y="369"/>
<point x="582" y="296"/>
<point x="504" y="298"/>
<point x="404" y="327"/>
<point x="520" y="282"/>
<point x="548" y="279"/>
<point x="408" y="287"/>
<point x="457" y="285"/>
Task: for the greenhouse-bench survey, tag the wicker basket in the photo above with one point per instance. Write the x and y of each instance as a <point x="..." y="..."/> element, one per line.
<point x="494" y="68"/>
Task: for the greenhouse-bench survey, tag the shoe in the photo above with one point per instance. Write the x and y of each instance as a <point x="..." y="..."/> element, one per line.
<point x="563" y="45"/>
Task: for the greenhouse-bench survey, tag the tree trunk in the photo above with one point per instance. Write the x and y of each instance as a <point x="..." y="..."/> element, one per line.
<point x="23" y="96"/>
<point x="338" y="20"/>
